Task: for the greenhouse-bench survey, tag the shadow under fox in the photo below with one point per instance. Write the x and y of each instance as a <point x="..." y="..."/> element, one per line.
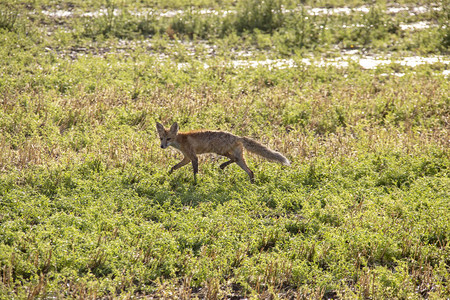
<point x="223" y="143"/>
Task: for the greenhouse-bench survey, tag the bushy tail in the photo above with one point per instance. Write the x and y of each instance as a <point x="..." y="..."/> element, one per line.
<point x="257" y="148"/>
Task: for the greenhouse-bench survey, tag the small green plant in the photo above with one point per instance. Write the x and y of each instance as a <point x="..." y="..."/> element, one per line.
<point x="376" y="25"/>
<point x="114" y="21"/>
<point x="266" y="16"/>
<point x="303" y="30"/>
<point x="8" y="16"/>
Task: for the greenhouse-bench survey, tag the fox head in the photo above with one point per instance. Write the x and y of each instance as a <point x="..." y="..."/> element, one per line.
<point x="167" y="137"/>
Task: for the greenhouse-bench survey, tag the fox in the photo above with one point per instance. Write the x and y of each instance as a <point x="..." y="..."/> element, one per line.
<point x="192" y="143"/>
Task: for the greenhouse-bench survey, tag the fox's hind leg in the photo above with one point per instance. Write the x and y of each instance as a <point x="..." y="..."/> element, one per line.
<point x="227" y="163"/>
<point x="232" y="158"/>
<point x="240" y="161"/>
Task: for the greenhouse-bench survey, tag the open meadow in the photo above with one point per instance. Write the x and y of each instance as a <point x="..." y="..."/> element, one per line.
<point x="354" y="94"/>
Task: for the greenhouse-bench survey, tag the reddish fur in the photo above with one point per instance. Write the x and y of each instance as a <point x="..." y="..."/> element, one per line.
<point x="195" y="142"/>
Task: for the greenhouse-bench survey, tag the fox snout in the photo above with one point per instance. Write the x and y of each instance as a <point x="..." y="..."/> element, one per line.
<point x="164" y="143"/>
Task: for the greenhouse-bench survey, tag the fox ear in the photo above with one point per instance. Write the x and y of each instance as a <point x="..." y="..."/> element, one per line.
<point x="160" y="128"/>
<point x="174" y="128"/>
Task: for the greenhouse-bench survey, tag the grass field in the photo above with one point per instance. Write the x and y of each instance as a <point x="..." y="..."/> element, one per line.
<point x="88" y="209"/>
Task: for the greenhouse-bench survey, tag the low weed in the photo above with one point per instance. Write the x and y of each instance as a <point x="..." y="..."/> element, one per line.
<point x="8" y="16"/>
<point x="266" y="16"/>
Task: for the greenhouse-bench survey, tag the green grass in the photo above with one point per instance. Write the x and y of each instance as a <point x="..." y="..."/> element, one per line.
<point x="281" y="26"/>
<point x="88" y="209"/>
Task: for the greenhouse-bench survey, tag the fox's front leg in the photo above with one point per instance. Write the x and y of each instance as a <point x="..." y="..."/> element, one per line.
<point x="184" y="162"/>
<point x="194" y="161"/>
